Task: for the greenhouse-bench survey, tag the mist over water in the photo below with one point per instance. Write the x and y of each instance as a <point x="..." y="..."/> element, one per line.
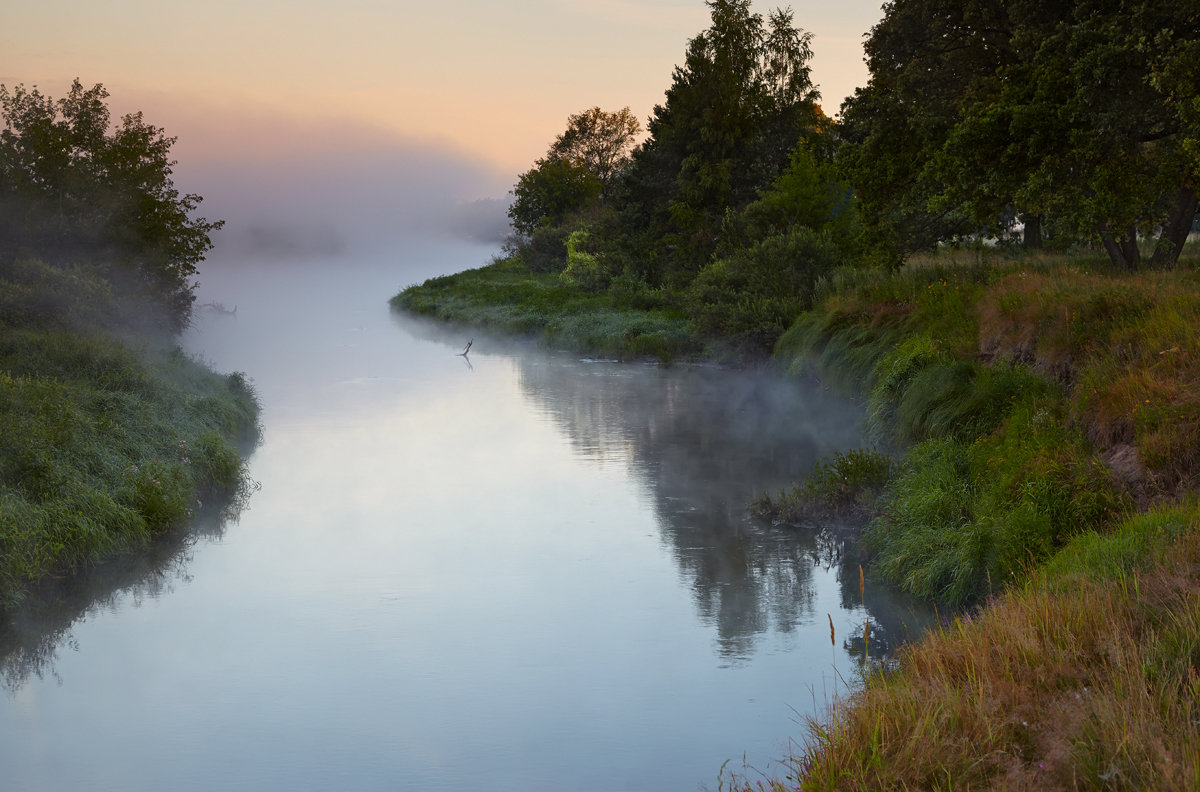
<point x="517" y="570"/>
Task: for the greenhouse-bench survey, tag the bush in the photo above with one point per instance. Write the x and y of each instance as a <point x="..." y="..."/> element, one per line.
<point x="755" y="294"/>
<point x="847" y="482"/>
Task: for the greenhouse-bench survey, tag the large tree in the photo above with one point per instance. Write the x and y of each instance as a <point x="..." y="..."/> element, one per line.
<point x="980" y="112"/>
<point x="580" y="164"/>
<point x="735" y="110"/>
<point x="73" y="188"/>
<point x="598" y="141"/>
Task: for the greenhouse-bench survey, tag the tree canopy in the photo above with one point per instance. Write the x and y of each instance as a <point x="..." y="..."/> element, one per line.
<point x="1074" y="116"/>
<point x="581" y="163"/>
<point x="734" y="112"/>
<point x="598" y="141"/>
<point x="75" y="188"/>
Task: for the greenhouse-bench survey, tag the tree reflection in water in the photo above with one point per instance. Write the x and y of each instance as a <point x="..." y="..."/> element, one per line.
<point x="704" y="442"/>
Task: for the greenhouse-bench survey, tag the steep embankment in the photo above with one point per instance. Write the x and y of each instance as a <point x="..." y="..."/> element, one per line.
<point x="107" y="441"/>
<point x="1053" y="413"/>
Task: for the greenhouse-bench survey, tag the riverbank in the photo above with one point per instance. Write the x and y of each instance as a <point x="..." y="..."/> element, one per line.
<point x="1053" y="414"/>
<point x="507" y="297"/>
<point x="1052" y="418"/>
<point x="112" y="435"/>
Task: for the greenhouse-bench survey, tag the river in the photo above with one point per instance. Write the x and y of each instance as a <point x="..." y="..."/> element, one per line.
<point x="516" y="570"/>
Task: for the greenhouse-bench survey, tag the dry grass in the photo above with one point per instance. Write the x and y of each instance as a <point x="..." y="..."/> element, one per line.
<point x="1069" y="683"/>
<point x="1127" y="345"/>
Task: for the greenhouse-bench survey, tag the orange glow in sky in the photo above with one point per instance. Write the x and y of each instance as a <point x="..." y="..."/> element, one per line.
<point x="491" y="81"/>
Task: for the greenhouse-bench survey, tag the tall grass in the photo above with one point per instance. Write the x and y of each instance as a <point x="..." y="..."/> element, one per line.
<point x="1002" y="472"/>
<point x="1085" y="678"/>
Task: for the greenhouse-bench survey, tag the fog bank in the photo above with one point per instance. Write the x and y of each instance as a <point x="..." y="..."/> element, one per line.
<point x="288" y="187"/>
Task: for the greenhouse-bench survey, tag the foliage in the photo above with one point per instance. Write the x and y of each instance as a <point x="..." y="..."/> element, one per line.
<point x="105" y="445"/>
<point x="548" y="193"/>
<point x="598" y="141"/>
<point x="585" y="269"/>
<point x="1071" y="116"/>
<point x="734" y="112"/>
<point x="808" y="194"/>
<point x="74" y="190"/>
<point x="754" y="294"/>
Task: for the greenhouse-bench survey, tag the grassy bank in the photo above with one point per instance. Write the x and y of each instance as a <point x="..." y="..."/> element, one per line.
<point x="508" y="297"/>
<point x="109" y="438"/>
<point x="1039" y="399"/>
<point x="1050" y="410"/>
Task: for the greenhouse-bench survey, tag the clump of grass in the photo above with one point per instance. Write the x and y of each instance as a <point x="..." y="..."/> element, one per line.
<point x="844" y="485"/>
<point x="963" y="520"/>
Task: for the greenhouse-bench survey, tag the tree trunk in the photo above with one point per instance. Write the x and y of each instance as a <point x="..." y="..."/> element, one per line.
<point x="1123" y="250"/>
<point x="1176" y="229"/>
<point x="1033" y="232"/>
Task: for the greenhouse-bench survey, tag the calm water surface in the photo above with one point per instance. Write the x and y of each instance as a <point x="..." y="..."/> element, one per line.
<point x="517" y="571"/>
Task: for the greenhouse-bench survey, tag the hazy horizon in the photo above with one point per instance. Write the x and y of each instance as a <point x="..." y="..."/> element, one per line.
<point x="381" y="117"/>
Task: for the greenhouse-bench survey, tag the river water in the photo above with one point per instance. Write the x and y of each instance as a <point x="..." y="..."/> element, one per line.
<point x="517" y="570"/>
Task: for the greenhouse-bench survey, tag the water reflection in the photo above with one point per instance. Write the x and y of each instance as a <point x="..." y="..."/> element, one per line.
<point x="704" y="442"/>
<point x="34" y="633"/>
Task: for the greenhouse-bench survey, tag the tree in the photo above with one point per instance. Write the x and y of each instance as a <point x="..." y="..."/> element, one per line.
<point x="1078" y="111"/>
<point x="579" y="165"/>
<point x="549" y="192"/>
<point x="598" y="141"/>
<point x="735" y="110"/>
<point x="74" y="188"/>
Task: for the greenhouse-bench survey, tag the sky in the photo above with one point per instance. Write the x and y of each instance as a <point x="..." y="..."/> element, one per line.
<point x="457" y="96"/>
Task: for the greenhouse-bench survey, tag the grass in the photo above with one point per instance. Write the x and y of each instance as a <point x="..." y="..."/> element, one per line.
<point x="1084" y="678"/>
<point x="845" y="484"/>
<point x="1050" y="484"/>
<point x="108" y="441"/>
<point x="1045" y="397"/>
<point x="506" y="296"/>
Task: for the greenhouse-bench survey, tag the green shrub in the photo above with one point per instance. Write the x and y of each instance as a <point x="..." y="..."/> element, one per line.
<point x="755" y="294"/>
<point x="962" y="519"/>
<point x="584" y="269"/>
<point x="847" y="481"/>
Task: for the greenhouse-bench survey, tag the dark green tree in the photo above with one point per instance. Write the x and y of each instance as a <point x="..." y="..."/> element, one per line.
<point x="73" y="188"/>
<point x="979" y="112"/>
<point x="549" y="192"/>
<point x="580" y="164"/>
<point x="735" y="110"/>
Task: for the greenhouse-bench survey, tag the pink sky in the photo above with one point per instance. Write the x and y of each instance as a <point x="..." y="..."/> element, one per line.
<point x="290" y="81"/>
